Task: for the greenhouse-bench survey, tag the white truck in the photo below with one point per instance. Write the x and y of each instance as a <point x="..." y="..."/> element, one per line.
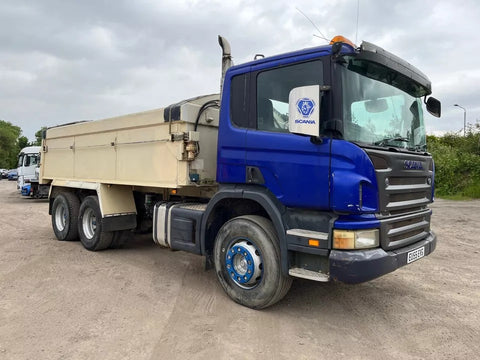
<point x="310" y="164"/>
<point x="29" y="172"/>
<point x="28" y="162"/>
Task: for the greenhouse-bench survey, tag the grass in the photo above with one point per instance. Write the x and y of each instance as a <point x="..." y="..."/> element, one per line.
<point x="456" y="197"/>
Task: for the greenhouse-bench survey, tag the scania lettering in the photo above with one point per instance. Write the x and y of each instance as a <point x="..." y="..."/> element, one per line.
<point x="310" y="164"/>
<point x="301" y="121"/>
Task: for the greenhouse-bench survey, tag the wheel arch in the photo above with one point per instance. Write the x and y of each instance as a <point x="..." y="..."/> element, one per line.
<point x="117" y="204"/>
<point x="56" y="190"/>
<point x="232" y="201"/>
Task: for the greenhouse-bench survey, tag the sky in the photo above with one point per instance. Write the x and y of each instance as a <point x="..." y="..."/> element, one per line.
<point x="64" y="60"/>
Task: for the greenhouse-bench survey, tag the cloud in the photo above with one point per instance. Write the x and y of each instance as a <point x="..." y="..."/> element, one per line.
<point x="71" y="60"/>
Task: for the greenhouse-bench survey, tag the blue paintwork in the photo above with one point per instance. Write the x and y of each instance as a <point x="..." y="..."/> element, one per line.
<point x="297" y="171"/>
<point x="26" y="190"/>
<point x="291" y="57"/>
<point x="231" y="166"/>
<point x="357" y="222"/>
<point x="12" y="175"/>
<point x="352" y="169"/>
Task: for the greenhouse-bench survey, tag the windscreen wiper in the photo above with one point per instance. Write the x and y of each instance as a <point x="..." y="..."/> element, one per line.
<point x="419" y="148"/>
<point x="385" y="141"/>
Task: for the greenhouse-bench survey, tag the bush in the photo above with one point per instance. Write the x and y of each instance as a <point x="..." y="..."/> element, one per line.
<point x="457" y="164"/>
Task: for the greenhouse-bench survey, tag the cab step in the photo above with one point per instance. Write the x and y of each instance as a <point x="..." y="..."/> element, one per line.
<point x="308" y="274"/>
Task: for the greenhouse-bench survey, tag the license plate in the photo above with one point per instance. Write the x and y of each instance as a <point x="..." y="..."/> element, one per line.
<point x="415" y="254"/>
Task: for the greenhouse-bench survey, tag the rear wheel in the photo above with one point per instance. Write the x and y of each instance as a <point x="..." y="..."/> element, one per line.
<point x="247" y="262"/>
<point x="90" y="229"/>
<point x="65" y="209"/>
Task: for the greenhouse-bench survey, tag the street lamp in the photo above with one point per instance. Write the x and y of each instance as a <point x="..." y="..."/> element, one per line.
<point x="464" y="117"/>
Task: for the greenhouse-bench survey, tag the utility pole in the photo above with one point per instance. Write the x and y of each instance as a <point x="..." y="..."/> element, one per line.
<point x="464" y="118"/>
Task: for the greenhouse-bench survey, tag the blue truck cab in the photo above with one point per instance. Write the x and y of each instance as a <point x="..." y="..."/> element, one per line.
<point x="348" y="199"/>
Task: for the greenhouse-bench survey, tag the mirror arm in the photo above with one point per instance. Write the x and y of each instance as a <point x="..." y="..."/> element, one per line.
<point x="316" y="140"/>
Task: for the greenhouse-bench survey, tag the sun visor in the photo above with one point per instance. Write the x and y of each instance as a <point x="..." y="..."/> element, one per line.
<point x="374" y="54"/>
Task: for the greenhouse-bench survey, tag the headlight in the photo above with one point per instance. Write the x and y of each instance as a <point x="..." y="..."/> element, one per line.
<point x="355" y="239"/>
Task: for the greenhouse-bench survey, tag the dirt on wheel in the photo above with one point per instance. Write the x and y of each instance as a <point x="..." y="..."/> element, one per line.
<point x="60" y="301"/>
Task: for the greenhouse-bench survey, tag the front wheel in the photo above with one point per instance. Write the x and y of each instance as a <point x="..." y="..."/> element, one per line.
<point x="247" y="262"/>
<point x="90" y="229"/>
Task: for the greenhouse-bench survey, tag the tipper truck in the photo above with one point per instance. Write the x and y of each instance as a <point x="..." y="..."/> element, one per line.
<point x="310" y="164"/>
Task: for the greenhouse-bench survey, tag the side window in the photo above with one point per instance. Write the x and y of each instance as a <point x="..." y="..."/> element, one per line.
<point x="273" y="89"/>
<point x="238" y="100"/>
<point x="33" y="160"/>
<point x="20" y="160"/>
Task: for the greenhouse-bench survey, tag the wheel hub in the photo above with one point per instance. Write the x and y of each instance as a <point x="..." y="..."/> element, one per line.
<point x="89" y="223"/>
<point x="244" y="264"/>
<point x="60" y="217"/>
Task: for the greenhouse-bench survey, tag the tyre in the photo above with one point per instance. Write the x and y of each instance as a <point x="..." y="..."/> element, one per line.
<point x="90" y="229"/>
<point x="247" y="262"/>
<point x="65" y="209"/>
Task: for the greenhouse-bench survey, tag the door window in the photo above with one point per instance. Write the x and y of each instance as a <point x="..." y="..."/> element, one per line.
<point x="273" y="89"/>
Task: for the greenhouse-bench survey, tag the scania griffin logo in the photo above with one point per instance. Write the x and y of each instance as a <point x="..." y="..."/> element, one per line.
<point x="412" y="165"/>
<point x="305" y="107"/>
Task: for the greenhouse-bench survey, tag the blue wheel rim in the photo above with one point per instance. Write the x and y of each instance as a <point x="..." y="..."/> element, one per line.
<point x="244" y="264"/>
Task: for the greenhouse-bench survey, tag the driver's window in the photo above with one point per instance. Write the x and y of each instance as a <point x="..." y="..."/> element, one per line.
<point x="273" y="89"/>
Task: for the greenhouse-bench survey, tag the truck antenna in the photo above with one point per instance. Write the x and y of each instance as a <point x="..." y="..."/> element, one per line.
<point x="315" y="26"/>
<point x="358" y="12"/>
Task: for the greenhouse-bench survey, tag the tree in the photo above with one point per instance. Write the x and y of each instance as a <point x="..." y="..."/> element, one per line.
<point x="22" y="142"/>
<point x="38" y="136"/>
<point x="9" y="135"/>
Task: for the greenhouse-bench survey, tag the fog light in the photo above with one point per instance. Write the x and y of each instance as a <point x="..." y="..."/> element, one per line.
<point x="355" y="239"/>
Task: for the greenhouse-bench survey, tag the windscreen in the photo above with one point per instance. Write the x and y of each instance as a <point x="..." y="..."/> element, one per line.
<point x="379" y="114"/>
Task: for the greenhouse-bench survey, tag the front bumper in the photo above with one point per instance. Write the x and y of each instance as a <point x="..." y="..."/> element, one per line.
<point x="364" y="265"/>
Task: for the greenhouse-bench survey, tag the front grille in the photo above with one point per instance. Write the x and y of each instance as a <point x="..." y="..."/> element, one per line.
<point x="402" y="181"/>
<point x="403" y="195"/>
<point x="399" y="231"/>
<point x="402" y="211"/>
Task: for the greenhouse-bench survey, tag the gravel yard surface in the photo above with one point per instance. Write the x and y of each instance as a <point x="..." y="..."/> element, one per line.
<point x="60" y="301"/>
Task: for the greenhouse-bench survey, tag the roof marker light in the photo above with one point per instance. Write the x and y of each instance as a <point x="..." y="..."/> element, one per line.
<point x="342" y="39"/>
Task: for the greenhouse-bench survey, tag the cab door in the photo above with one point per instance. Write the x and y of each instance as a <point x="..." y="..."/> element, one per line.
<point x="234" y="120"/>
<point x="293" y="167"/>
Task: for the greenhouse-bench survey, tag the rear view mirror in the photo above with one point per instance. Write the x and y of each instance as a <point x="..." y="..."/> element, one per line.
<point x="434" y="107"/>
<point x="376" y="106"/>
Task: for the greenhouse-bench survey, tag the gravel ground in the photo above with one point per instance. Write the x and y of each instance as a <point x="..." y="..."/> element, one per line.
<point x="60" y="301"/>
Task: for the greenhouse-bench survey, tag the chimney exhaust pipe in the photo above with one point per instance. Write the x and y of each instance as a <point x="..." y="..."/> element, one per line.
<point x="226" y="60"/>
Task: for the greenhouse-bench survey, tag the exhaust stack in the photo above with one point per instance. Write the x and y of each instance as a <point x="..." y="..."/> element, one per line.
<point x="226" y="59"/>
